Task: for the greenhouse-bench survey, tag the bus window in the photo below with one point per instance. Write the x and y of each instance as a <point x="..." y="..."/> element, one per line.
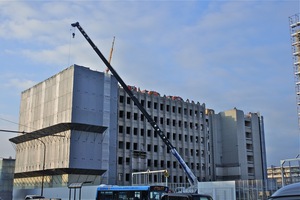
<point x="155" y="195"/>
<point x="104" y="196"/>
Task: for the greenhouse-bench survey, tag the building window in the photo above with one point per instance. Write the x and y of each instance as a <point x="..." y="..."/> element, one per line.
<point x="128" y="100"/>
<point x="191" y="138"/>
<point x="142" y="132"/>
<point x="135" y="116"/>
<point x="191" y="125"/>
<point x="121" y="99"/>
<point x="155" y="163"/>
<point x="127" y="177"/>
<point x="168" y="135"/>
<point x="120" y="129"/>
<point x="121" y="113"/>
<point x="161" y="120"/>
<point x="161" y="106"/>
<point x="155" y="105"/>
<point x="121" y="145"/>
<point x="128" y="115"/>
<point x="173" y="109"/>
<point x="185" y="111"/>
<point x="120" y="160"/>
<point x="128" y="129"/>
<point x="135" y="131"/>
<point x="149" y="104"/>
<point x="135" y="146"/>
<point x="127" y="145"/>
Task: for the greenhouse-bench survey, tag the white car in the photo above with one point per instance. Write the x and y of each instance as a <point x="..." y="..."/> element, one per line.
<point x="289" y="192"/>
<point x="34" y="197"/>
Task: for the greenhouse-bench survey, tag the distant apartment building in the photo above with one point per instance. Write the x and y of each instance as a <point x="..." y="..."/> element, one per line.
<point x="238" y="146"/>
<point x="83" y="127"/>
<point x="7" y="166"/>
<point x="288" y="174"/>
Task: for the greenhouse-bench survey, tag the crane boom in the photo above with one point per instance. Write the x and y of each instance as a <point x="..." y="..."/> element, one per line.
<point x="191" y="177"/>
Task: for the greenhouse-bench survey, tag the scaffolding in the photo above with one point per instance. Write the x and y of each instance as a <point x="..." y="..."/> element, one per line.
<point x="295" y="40"/>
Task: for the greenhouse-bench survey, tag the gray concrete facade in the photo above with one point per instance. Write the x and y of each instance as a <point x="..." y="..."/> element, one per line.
<point x="7" y="166"/>
<point x="239" y="146"/>
<point x="184" y="123"/>
<point x="71" y="121"/>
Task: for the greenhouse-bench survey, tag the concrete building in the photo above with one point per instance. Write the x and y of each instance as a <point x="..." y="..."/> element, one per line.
<point x="184" y="123"/>
<point x="83" y="127"/>
<point x="7" y="166"/>
<point x="71" y="125"/>
<point x="239" y="146"/>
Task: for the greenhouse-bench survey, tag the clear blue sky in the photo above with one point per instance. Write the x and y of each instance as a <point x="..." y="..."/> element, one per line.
<point x="225" y="54"/>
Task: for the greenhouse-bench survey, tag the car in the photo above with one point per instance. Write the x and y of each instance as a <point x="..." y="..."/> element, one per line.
<point x="34" y="197"/>
<point x="289" y="192"/>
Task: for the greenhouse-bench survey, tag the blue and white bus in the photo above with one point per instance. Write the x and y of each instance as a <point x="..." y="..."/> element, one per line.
<point x="114" y="192"/>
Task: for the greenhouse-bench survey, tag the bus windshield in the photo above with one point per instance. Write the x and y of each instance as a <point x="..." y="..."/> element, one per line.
<point x="114" y="192"/>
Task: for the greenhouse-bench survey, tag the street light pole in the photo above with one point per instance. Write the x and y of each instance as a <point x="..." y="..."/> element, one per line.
<point x="43" y="175"/>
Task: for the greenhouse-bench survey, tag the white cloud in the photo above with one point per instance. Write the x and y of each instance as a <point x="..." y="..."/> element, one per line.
<point x="19" y="84"/>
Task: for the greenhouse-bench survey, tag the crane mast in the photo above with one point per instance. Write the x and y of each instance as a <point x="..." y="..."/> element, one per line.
<point x="191" y="177"/>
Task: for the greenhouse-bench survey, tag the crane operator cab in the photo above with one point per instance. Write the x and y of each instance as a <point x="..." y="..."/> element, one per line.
<point x="185" y="196"/>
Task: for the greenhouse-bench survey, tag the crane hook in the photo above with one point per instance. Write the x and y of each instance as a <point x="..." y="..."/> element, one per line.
<point x="73" y="34"/>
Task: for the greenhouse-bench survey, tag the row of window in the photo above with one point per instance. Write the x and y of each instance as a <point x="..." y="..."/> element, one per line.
<point x="155" y="148"/>
<point x="154" y="178"/>
<point x="161" y="164"/>
<point x="164" y="107"/>
<point x="175" y="136"/>
<point x="162" y="120"/>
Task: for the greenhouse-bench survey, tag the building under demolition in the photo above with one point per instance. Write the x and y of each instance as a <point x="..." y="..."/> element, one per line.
<point x="81" y="126"/>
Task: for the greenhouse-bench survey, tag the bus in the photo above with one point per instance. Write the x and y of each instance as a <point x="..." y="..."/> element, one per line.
<point x="114" y="192"/>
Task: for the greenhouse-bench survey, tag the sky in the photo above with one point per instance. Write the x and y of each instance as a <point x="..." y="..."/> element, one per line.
<point x="225" y="54"/>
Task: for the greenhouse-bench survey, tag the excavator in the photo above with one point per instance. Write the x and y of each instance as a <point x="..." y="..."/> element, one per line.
<point x="190" y="175"/>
